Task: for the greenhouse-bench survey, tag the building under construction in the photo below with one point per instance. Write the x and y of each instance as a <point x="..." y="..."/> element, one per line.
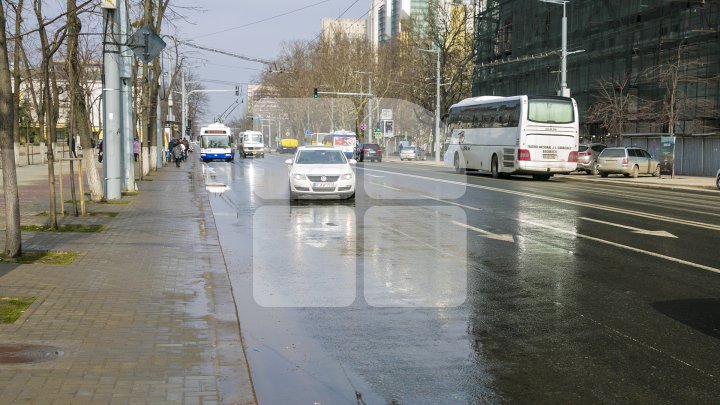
<point x="651" y="46"/>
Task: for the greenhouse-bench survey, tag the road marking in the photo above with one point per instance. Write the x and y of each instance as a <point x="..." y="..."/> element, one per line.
<point x="489" y="235"/>
<point x="645" y="215"/>
<point x="453" y="203"/>
<point x="664" y="234"/>
<point x="618" y="245"/>
<point x="383" y="185"/>
<point x="372" y="175"/>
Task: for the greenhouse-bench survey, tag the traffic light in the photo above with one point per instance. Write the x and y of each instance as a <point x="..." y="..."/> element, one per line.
<point x="237" y="90"/>
<point x="315" y="95"/>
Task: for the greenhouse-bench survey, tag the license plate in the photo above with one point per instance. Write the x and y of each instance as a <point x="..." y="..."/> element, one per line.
<point x="549" y="155"/>
<point x="371" y="152"/>
<point x="323" y="185"/>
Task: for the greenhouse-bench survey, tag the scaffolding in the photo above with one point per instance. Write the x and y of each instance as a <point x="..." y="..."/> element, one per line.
<point x="517" y="46"/>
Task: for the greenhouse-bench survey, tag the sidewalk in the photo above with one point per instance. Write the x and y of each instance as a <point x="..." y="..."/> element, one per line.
<point x="144" y="315"/>
<point x="694" y="183"/>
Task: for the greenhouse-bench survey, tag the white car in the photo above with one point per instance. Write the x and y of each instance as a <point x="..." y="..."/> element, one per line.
<point x="321" y="171"/>
<point x="409" y="153"/>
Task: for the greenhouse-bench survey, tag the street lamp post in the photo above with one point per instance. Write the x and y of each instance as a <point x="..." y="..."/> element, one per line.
<point x="437" y="102"/>
<point x="564" y="90"/>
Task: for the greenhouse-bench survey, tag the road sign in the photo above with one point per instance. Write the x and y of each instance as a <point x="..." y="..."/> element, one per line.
<point x="308" y="132"/>
<point x="386" y="114"/>
<point x="363" y="126"/>
<point x="146" y="44"/>
<point x="378" y="135"/>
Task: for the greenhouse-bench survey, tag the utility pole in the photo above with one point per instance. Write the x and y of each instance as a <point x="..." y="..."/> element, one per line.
<point x="128" y="161"/>
<point x="112" y="146"/>
<point x="564" y="90"/>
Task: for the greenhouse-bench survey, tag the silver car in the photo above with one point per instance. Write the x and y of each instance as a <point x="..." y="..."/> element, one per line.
<point x="587" y="157"/>
<point x="628" y="161"/>
<point x="409" y="153"/>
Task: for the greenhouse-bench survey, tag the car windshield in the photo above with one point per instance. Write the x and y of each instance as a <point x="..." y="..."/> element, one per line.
<point x="409" y="149"/>
<point x="314" y="157"/>
<point x="613" y="153"/>
<point x="582" y="148"/>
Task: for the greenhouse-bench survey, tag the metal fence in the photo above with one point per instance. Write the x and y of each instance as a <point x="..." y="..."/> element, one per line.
<point x="695" y="155"/>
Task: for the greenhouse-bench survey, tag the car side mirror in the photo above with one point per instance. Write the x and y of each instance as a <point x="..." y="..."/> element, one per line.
<point x="289" y="162"/>
<point x="352" y="161"/>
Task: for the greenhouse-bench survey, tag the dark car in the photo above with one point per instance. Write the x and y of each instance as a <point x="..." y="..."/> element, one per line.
<point x="368" y="151"/>
<point x="717" y="179"/>
<point x="587" y="157"/>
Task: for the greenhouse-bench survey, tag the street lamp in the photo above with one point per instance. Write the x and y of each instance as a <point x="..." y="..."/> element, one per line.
<point x="437" y="102"/>
<point x="564" y="90"/>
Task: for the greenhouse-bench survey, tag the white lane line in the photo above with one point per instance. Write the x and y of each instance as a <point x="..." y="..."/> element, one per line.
<point x="453" y="203"/>
<point x="618" y="245"/>
<point x="386" y="186"/>
<point x="645" y="345"/>
<point x="664" y="234"/>
<point x="372" y="175"/>
<point x="563" y="201"/>
<point x="489" y="235"/>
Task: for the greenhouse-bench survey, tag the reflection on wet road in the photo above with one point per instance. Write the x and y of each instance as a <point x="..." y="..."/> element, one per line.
<point x="434" y="287"/>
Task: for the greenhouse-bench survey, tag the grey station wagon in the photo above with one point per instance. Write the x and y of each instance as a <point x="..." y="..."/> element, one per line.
<point x="628" y="161"/>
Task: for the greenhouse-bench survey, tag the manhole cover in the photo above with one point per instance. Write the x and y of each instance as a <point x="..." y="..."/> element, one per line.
<point x="19" y="354"/>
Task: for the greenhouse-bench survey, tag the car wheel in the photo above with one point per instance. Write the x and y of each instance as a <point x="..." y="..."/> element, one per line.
<point x="717" y="182"/>
<point x="351" y="197"/>
<point x="594" y="171"/>
<point x="456" y="163"/>
<point x="656" y="173"/>
<point x="494" y="167"/>
<point x="379" y="160"/>
<point x="634" y="172"/>
<point x="603" y="175"/>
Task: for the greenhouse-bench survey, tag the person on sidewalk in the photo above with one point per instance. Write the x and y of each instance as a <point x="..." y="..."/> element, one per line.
<point x="177" y="153"/>
<point x="136" y="148"/>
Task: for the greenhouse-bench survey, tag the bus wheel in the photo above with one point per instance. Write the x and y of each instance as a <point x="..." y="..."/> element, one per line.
<point x="494" y="167"/>
<point x="456" y="162"/>
<point x="541" y="176"/>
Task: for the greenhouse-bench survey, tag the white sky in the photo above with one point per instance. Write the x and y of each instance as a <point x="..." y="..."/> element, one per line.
<point x="262" y="40"/>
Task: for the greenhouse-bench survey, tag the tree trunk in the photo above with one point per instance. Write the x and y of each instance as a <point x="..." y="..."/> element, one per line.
<point x="80" y="115"/>
<point x="13" y="240"/>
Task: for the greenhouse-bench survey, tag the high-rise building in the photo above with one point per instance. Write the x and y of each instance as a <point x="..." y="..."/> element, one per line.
<point x="518" y="44"/>
<point x="350" y="27"/>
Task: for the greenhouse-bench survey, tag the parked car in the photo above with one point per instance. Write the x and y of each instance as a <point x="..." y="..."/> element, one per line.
<point x="630" y="162"/>
<point x="368" y="151"/>
<point x="717" y="179"/>
<point x="321" y="171"/>
<point x="587" y="157"/>
<point x="409" y="153"/>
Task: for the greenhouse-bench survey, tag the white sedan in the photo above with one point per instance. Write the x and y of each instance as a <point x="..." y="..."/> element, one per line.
<point x="321" y="171"/>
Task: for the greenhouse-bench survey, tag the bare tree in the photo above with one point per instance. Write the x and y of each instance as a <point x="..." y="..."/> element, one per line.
<point x="676" y="77"/>
<point x="612" y="106"/>
<point x="13" y="240"/>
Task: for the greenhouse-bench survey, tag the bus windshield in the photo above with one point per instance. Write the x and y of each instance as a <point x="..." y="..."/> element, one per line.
<point x="252" y="138"/>
<point x="551" y="111"/>
<point x="215" y="141"/>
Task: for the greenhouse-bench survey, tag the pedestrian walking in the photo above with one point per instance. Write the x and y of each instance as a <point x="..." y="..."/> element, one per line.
<point x="183" y="150"/>
<point x="136" y="148"/>
<point x="177" y="153"/>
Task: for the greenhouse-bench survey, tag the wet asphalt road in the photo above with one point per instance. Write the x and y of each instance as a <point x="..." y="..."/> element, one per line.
<point x="434" y="287"/>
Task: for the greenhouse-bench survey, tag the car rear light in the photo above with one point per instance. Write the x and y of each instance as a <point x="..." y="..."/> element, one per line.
<point x="366" y="150"/>
<point x="523" y="154"/>
<point x="379" y="151"/>
<point x="573" y="157"/>
<point x="625" y="161"/>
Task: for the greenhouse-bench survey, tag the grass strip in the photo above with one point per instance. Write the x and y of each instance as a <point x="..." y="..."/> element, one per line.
<point x="12" y="307"/>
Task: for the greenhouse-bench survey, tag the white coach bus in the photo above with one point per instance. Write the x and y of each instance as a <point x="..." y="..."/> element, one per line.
<point x="535" y="135"/>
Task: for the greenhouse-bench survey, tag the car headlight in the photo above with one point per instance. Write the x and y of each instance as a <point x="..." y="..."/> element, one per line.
<point x="347" y="176"/>
<point x="298" y="176"/>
